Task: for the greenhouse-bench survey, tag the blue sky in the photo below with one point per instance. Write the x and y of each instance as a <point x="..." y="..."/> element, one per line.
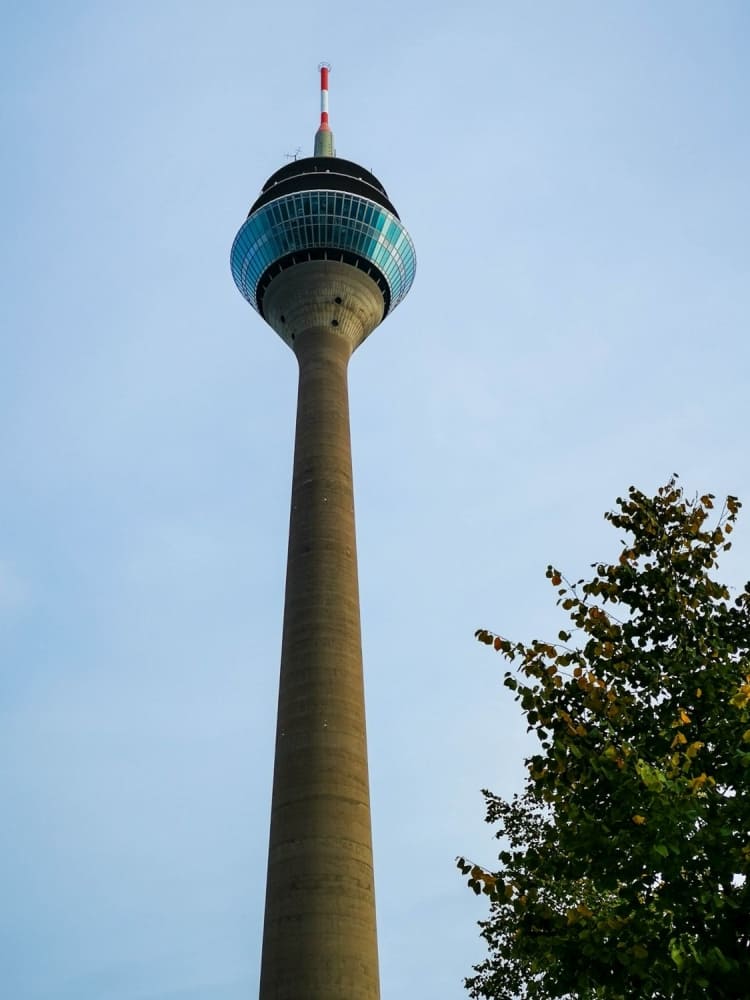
<point x="575" y="178"/>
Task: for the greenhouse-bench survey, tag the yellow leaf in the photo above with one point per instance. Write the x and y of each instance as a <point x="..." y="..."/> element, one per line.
<point x="678" y="740"/>
<point x="746" y="736"/>
<point x="742" y="695"/>
<point x="639" y="820"/>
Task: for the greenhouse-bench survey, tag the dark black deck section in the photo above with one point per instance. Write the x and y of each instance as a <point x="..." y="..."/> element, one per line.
<point x="323" y="173"/>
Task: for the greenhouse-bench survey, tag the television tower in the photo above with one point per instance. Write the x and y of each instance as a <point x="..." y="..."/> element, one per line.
<point x="323" y="257"/>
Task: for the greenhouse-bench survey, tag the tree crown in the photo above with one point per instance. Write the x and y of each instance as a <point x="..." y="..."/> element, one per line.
<point x="624" y="860"/>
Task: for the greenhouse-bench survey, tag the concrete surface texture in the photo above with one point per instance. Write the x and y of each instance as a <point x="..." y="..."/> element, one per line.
<point x="320" y="934"/>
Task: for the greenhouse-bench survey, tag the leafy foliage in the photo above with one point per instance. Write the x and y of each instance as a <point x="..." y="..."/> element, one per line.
<point x="624" y="862"/>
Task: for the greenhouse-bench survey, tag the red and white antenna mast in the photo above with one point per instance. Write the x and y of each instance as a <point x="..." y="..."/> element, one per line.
<point x="324" y="136"/>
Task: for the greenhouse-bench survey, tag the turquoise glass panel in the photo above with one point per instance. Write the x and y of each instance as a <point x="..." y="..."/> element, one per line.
<point x="323" y="220"/>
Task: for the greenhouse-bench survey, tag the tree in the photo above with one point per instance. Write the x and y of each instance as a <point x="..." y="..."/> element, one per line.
<point x="624" y="861"/>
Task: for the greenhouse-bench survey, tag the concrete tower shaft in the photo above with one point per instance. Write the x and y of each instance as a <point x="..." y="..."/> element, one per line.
<point x="320" y="938"/>
<point x="323" y="257"/>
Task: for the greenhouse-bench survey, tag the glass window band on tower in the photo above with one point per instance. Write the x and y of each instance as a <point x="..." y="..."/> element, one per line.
<point x="315" y="222"/>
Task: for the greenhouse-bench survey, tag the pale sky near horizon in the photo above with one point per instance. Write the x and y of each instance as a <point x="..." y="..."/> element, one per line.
<point x="575" y="179"/>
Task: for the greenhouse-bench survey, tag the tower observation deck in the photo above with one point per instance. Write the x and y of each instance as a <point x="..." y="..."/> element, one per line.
<point x="323" y="257"/>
